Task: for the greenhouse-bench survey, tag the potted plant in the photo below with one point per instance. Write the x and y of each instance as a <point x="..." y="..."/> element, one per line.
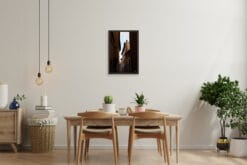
<point x="107" y="105"/>
<point x="15" y="103"/>
<point x="140" y="100"/>
<point x="238" y="120"/>
<point x="214" y="93"/>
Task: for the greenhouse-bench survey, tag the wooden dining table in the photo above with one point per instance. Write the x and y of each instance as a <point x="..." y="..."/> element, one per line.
<point x="171" y="121"/>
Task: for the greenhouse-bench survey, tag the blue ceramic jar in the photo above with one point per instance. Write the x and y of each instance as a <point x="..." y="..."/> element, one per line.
<point x="14" y="105"/>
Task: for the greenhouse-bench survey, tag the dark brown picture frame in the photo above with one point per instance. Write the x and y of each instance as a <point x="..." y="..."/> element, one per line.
<point x="123" y="52"/>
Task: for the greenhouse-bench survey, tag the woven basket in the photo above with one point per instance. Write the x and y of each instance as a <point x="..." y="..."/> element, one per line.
<point x="42" y="138"/>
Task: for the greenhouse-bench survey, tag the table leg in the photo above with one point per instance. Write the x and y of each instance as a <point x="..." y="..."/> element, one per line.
<point x="170" y="128"/>
<point x="75" y="140"/>
<point x="68" y="137"/>
<point x="177" y="141"/>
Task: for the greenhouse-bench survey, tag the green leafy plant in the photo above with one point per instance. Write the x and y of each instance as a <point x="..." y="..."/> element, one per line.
<point x="210" y="91"/>
<point x="228" y="101"/>
<point x="20" y="97"/>
<point x="219" y="94"/>
<point x="236" y="103"/>
<point x="108" y="99"/>
<point x="140" y="99"/>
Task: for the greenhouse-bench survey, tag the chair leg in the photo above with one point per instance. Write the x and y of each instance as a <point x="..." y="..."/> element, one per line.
<point x="117" y="141"/>
<point x="79" y="150"/>
<point x="159" y="146"/>
<point x="115" y="149"/>
<point x="87" y="142"/>
<point x="165" y="149"/>
<point x="129" y="143"/>
<point x="82" y="147"/>
<point x="131" y="140"/>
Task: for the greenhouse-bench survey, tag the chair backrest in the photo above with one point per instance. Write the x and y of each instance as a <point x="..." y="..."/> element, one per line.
<point x="129" y="110"/>
<point x="97" y="115"/>
<point x="148" y="115"/>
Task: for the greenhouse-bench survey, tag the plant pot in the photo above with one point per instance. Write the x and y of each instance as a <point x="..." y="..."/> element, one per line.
<point x="223" y="144"/>
<point x="238" y="147"/>
<point x="109" y="108"/>
<point x="139" y="109"/>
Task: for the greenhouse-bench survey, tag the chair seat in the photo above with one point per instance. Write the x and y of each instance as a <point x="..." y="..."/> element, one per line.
<point x="98" y="129"/>
<point x="148" y="129"/>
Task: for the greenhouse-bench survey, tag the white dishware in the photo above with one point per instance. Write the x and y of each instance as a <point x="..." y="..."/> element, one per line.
<point x="122" y="111"/>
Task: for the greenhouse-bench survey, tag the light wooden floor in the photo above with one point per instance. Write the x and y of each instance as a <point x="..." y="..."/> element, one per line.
<point x="105" y="157"/>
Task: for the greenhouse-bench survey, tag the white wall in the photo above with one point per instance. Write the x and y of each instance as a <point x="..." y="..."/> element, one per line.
<point x="183" y="43"/>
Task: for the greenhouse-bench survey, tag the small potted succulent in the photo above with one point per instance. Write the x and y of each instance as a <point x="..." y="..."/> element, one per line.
<point x="140" y="100"/>
<point x="108" y="106"/>
<point x="15" y="103"/>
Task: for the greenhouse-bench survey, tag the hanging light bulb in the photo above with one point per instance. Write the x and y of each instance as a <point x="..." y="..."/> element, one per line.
<point x="48" y="68"/>
<point x="39" y="80"/>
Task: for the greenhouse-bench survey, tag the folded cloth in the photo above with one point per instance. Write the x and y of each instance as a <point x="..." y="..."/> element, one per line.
<point x="42" y="122"/>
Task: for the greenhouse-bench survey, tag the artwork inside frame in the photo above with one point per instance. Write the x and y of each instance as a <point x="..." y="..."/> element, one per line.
<point x="123" y="51"/>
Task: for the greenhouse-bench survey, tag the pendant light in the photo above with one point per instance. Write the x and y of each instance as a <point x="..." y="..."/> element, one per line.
<point x="39" y="80"/>
<point x="48" y="68"/>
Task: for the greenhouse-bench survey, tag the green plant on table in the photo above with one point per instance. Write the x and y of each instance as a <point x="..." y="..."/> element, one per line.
<point x="140" y="99"/>
<point x="108" y="99"/>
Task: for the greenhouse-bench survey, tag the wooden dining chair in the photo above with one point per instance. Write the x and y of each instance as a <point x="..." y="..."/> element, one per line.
<point x="107" y="131"/>
<point x="129" y="110"/>
<point x="98" y="128"/>
<point x="138" y="132"/>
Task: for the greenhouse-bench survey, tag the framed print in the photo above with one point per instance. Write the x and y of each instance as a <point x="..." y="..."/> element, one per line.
<point x="123" y="51"/>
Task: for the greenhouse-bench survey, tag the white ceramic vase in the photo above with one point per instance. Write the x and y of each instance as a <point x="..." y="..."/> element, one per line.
<point x="109" y="108"/>
<point x="44" y="100"/>
<point x="238" y="147"/>
<point x="3" y="95"/>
